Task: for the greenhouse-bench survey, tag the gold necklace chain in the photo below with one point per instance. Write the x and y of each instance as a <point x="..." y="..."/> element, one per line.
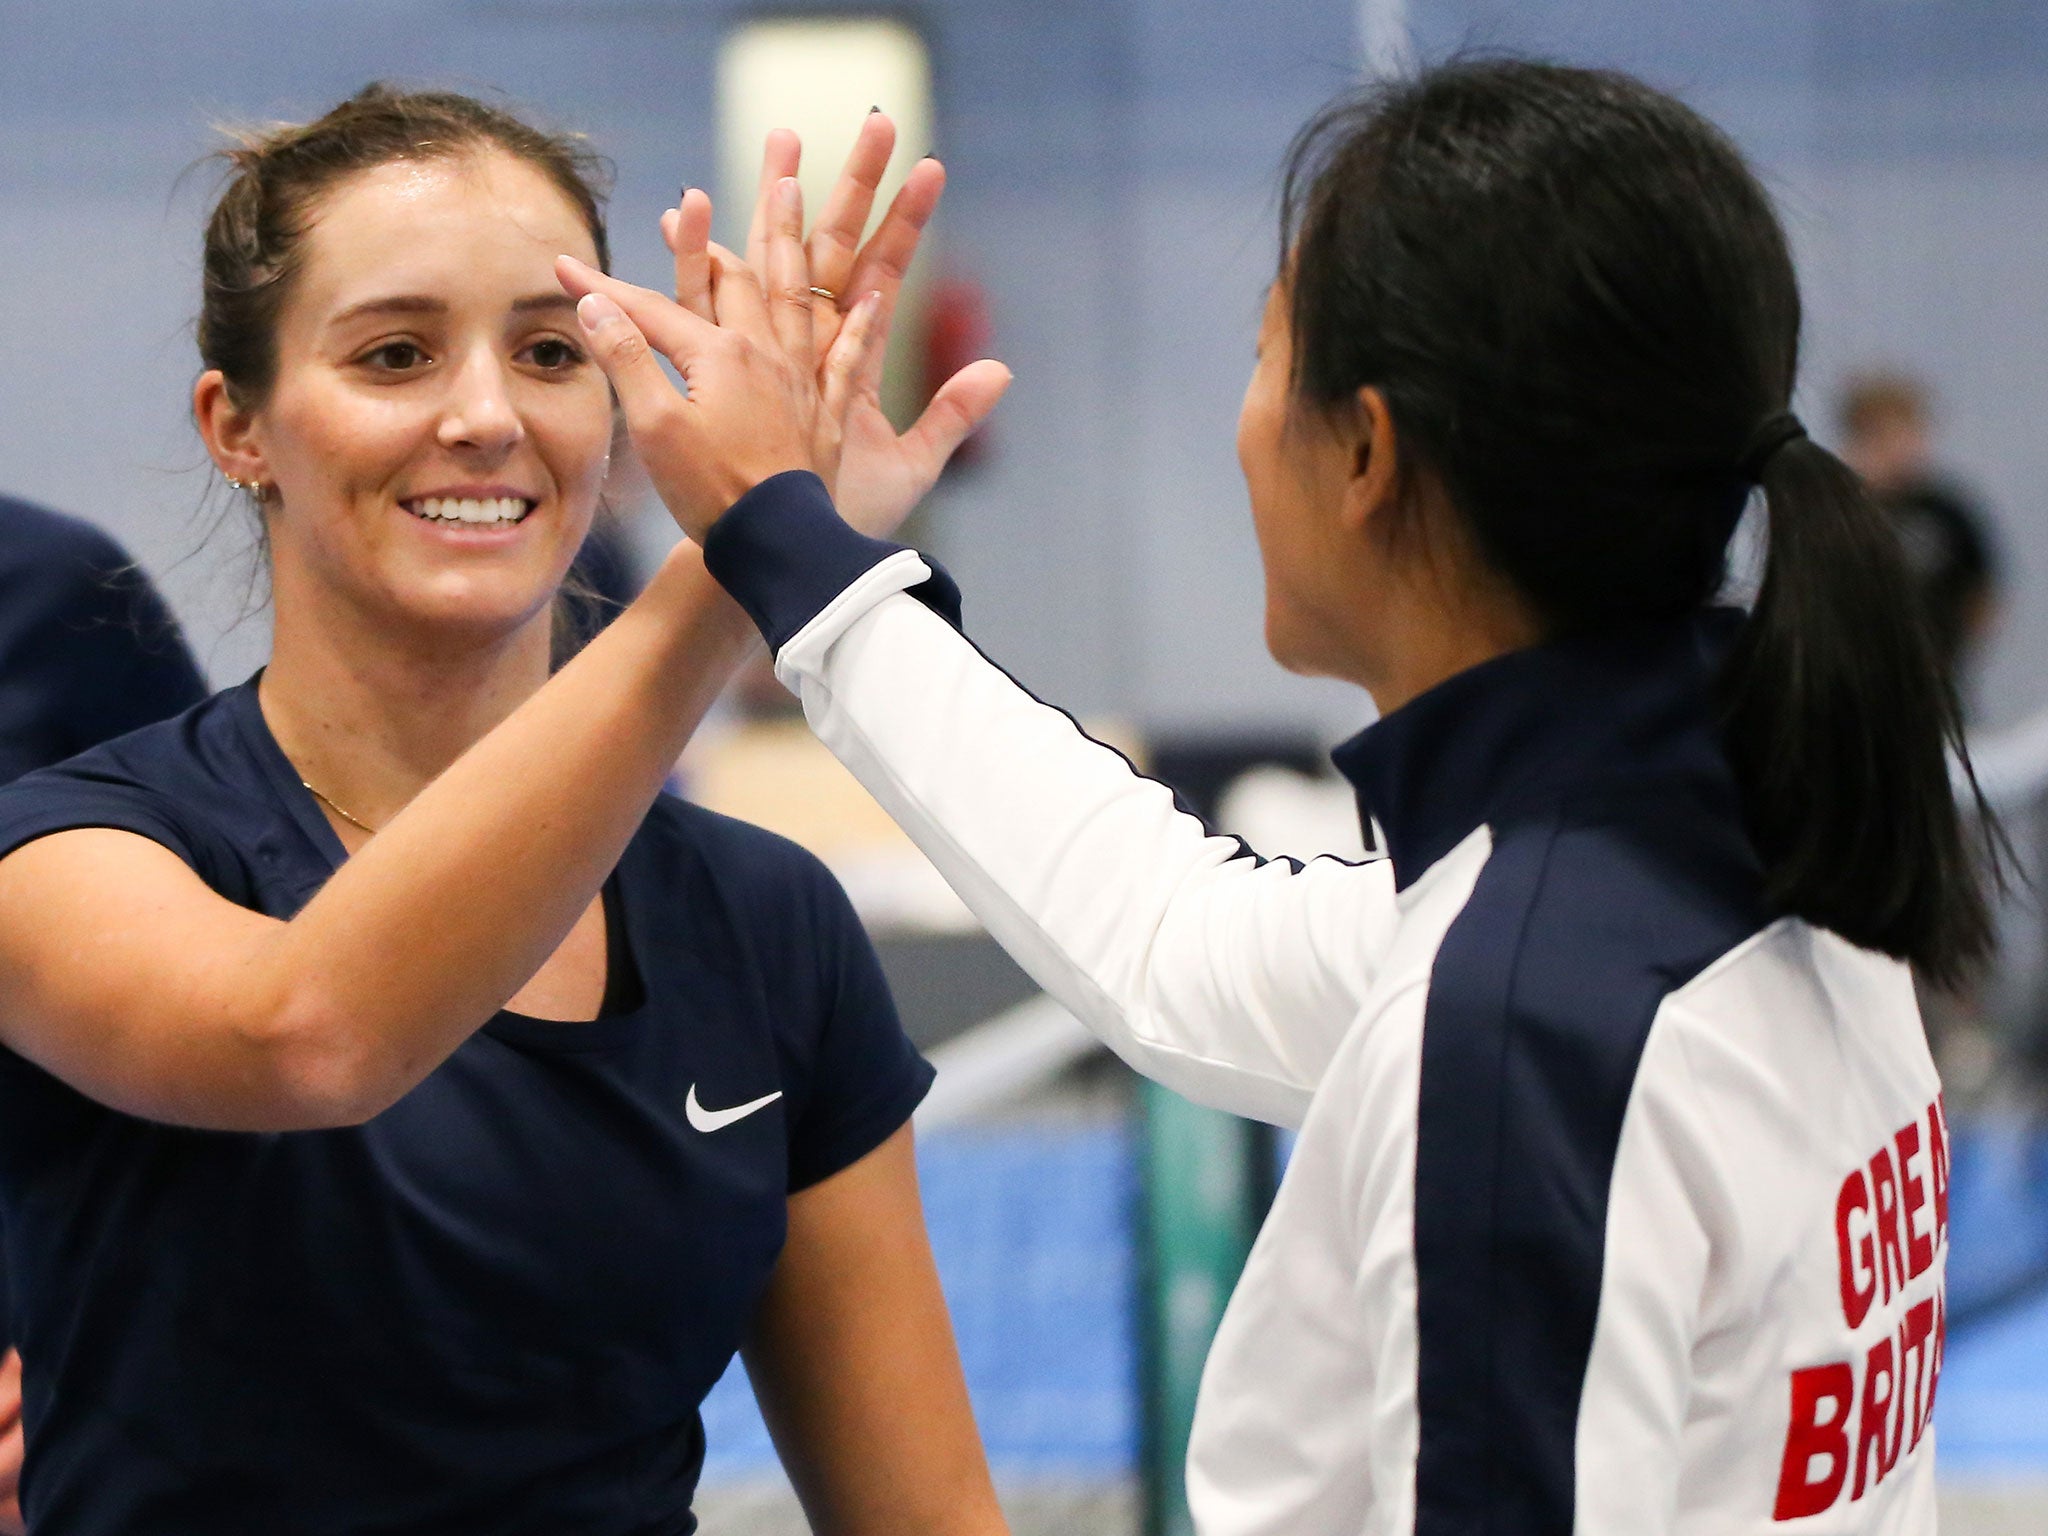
<point x="354" y="821"/>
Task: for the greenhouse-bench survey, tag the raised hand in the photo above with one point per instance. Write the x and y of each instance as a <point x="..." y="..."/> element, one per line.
<point x="882" y="474"/>
<point x="761" y="398"/>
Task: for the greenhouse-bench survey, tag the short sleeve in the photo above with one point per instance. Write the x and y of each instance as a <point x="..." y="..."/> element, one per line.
<point x="59" y="800"/>
<point x="865" y="1077"/>
<point x="71" y="797"/>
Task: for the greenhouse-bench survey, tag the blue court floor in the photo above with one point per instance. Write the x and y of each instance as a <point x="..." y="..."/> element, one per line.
<point x="1992" y="1409"/>
<point x="1031" y="1227"/>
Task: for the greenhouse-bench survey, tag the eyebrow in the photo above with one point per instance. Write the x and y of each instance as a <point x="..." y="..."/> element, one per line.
<point x="422" y="304"/>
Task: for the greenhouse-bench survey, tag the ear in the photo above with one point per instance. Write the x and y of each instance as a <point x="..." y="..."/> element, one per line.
<point x="1375" y="479"/>
<point x="228" y="431"/>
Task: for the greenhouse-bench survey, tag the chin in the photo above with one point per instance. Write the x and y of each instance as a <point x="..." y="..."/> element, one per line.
<point x="483" y="609"/>
<point x="1310" y="649"/>
<point x="1286" y="644"/>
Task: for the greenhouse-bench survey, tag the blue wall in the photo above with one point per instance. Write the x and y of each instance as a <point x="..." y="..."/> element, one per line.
<point x="1113" y="190"/>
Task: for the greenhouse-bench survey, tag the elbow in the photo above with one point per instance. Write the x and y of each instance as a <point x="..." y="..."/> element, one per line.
<point x="318" y="1071"/>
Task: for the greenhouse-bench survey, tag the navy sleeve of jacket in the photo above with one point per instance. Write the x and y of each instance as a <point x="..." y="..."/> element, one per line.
<point x="784" y="554"/>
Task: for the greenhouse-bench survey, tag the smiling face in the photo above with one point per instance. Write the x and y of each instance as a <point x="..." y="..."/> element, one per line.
<point x="436" y="436"/>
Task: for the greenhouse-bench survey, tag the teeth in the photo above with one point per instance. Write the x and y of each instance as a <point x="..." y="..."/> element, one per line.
<point x="448" y="509"/>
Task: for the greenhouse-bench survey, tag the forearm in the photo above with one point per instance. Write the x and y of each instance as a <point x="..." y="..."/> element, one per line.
<point x="1228" y="979"/>
<point x="1083" y="870"/>
<point x="853" y="1361"/>
<point x="122" y="974"/>
<point x="428" y="930"/>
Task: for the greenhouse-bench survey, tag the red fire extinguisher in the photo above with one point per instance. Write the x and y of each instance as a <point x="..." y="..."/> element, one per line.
<point x="956" y="333"/>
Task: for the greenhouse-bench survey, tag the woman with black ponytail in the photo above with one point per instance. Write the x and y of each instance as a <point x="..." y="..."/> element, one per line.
<point x="1620" y="1201"/>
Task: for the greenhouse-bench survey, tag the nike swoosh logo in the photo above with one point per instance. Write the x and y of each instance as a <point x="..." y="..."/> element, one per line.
<point x="708" y="1120"/>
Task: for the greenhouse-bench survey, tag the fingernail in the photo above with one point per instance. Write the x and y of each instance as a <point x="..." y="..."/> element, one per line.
<point x="791" y="194"/>
<point x="930" y="154"/>
<point x="873" y="110"/>
<point x="596" y="311"/>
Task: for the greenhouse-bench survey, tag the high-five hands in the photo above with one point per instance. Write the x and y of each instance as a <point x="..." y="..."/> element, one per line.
<point x="781" y="377"/>
<point x="882" y="475"/>
<point x="759" y="401"/>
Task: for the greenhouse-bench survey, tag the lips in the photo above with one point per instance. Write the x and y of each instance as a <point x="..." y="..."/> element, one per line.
<point x="471" y="511"/>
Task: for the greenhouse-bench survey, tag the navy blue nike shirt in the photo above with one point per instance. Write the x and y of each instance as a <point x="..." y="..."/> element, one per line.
<point x="495" y="1307"/>
<point x="87" y="652"/>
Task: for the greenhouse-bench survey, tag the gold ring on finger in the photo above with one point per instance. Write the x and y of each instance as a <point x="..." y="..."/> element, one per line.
<point x="825" y="293"/>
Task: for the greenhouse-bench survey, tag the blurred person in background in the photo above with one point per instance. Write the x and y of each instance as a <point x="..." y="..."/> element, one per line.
<point x="88" y="652"/>
<point x="1619" y="1202"/>
<point x="406" y="1111"/>
<point x="1950" y="543"/>
<point x="1951" y="546"/>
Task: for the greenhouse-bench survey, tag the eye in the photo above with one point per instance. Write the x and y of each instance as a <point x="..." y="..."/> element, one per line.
<point x="554" y="355"/>
<point x="395" y="357"/>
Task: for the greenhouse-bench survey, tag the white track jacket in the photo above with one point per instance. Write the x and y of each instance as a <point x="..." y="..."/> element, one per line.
<point x="1619" y="1206"/>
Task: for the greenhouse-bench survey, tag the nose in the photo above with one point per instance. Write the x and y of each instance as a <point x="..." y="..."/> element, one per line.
<point x="480" y="416"/>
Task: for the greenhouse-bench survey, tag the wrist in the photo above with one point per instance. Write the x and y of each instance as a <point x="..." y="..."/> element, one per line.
<point x="684" y="586"/>
<point x="739" y="484"/>
<point x="785" y="553"/>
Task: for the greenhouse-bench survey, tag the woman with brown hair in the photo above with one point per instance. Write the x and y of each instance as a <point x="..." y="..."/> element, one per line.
<point x="405" y="1111"/>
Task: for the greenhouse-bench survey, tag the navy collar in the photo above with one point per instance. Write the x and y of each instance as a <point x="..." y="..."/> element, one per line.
<point x="1516" y="735"/>
<point x="245" y="707"/>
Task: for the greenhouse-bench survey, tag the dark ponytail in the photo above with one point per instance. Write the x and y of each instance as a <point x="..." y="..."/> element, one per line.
<point x="1841" y="729"/>
<point x="1581" y="311"/>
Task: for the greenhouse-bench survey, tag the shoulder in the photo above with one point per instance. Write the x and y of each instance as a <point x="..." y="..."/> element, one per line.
<point x="156" y="757"/>
<point x="1591" y="914"/>
<point x="774" y="893"/>
<point x="1799" y="1040"/>
<point x="747" y="860"/>
<point x="158" y="781"/>
<point x="1947" y="516"/>
<point x="1582" y="923"/>
<point x="1947" y="499"/>
<point x="177" y="752"/>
